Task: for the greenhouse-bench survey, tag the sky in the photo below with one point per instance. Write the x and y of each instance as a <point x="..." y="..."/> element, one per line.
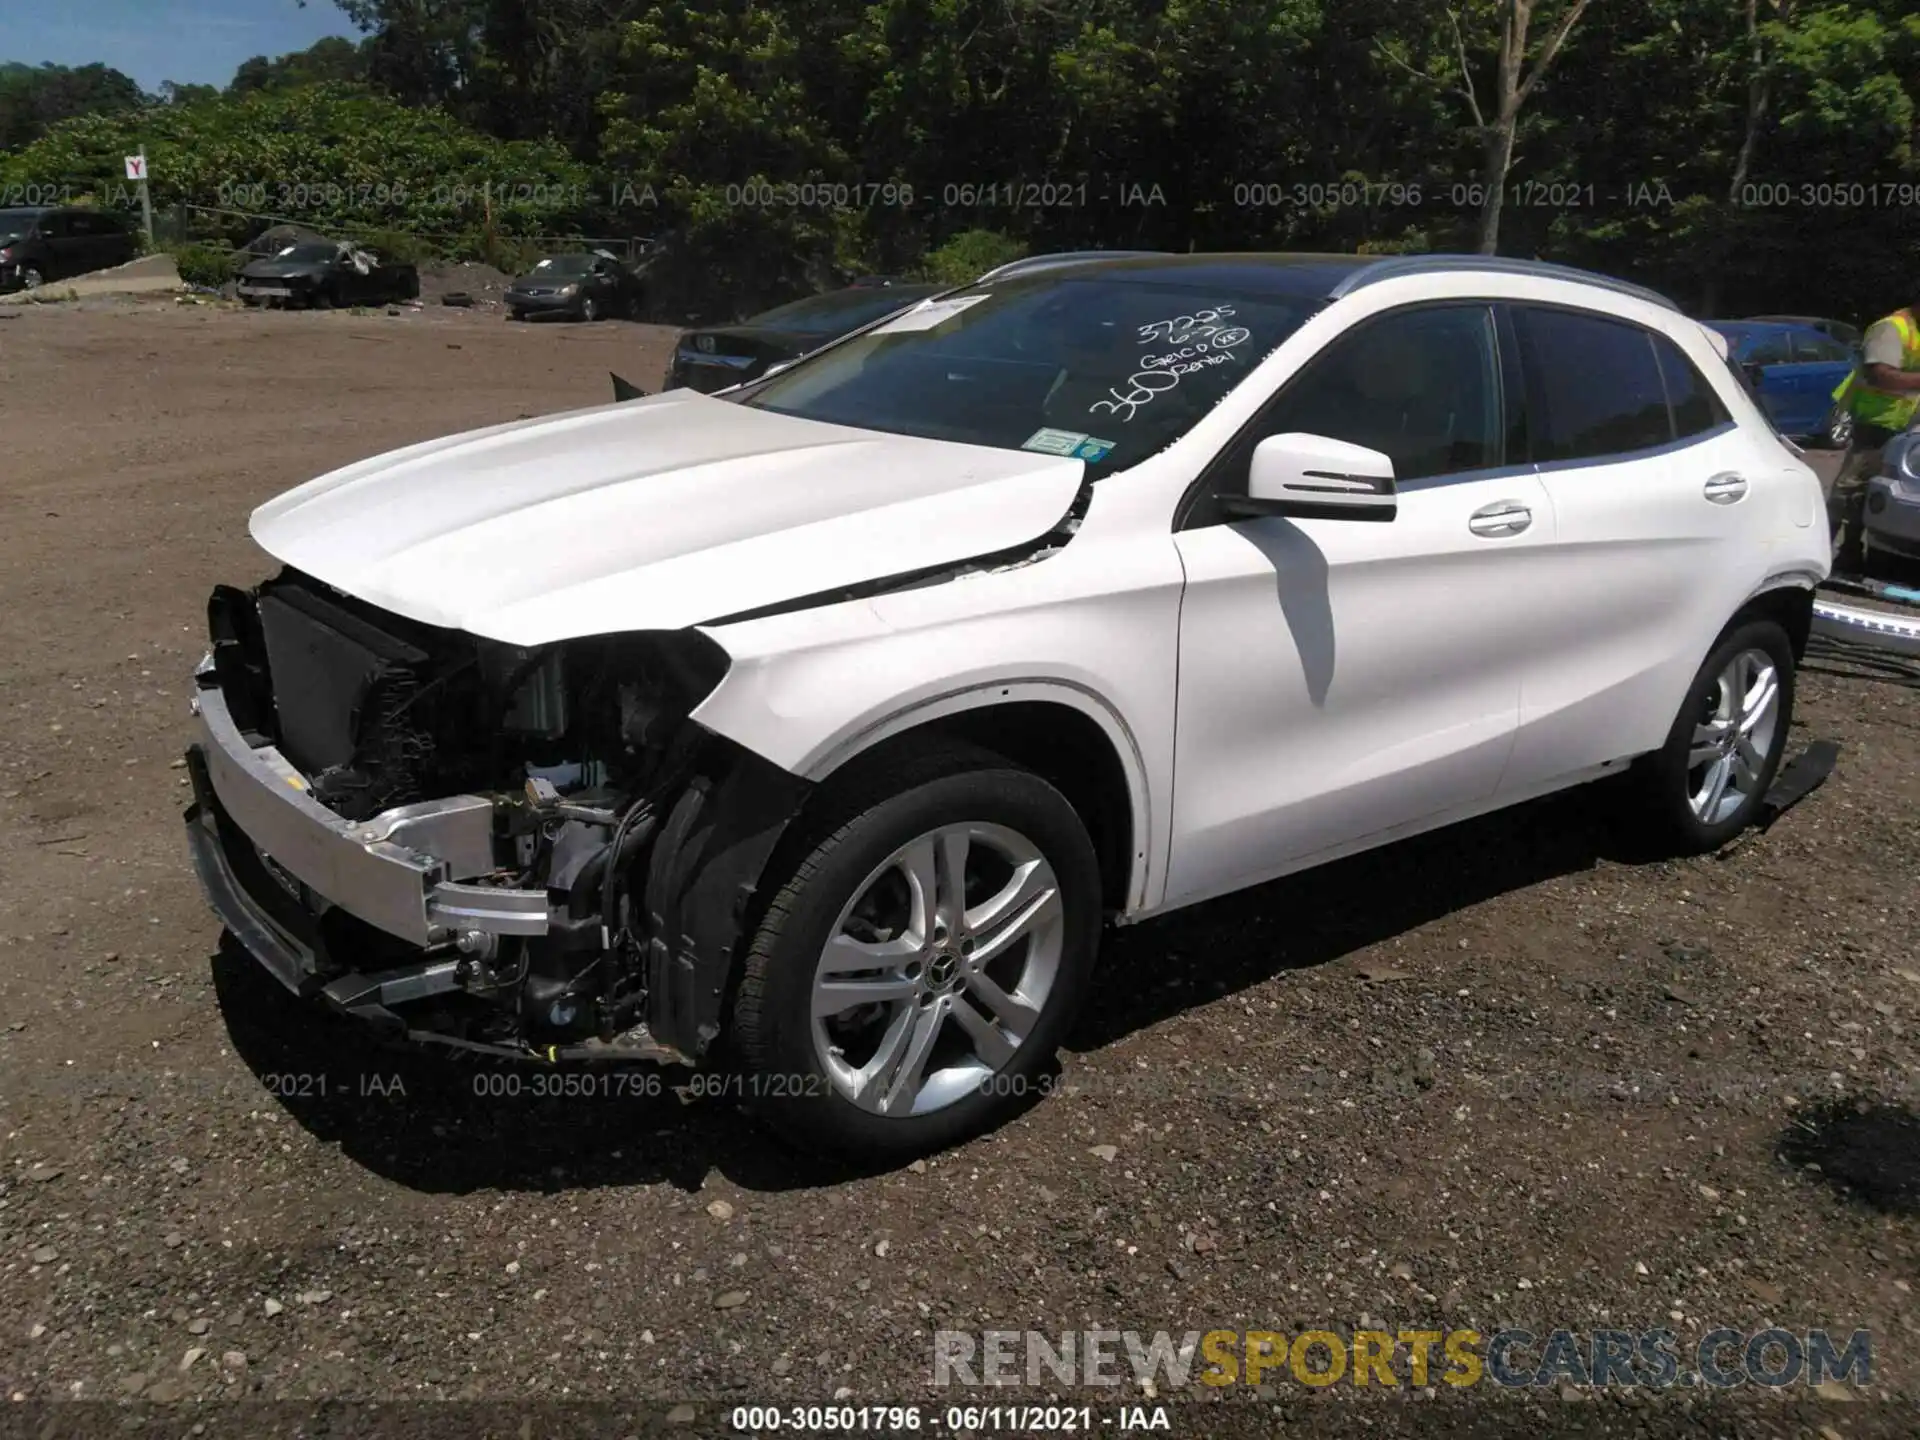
<point x="191" y="42"/>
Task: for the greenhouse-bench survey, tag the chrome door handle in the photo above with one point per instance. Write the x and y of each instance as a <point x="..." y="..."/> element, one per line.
<point x="1502" y="517"/>
<point x="1725" y="488"/>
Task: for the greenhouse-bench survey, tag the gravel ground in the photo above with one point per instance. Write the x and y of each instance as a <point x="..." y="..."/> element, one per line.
<point x="1514" y="1074"/>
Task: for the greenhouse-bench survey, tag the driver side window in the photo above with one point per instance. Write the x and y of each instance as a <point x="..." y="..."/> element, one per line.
<point x="1422" y="386"/>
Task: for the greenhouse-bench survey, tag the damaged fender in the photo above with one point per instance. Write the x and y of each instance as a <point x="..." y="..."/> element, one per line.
<point x="704" y="870"/>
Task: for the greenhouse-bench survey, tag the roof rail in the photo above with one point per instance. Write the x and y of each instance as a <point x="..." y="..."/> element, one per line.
<point x="1392" y="267"/>
<point x="1035" y="263"/>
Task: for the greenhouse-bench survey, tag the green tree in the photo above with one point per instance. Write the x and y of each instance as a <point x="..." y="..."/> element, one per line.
<point x="332" y="59"/>
<point x="713" y="114"/>
<point x="33" y="99"/>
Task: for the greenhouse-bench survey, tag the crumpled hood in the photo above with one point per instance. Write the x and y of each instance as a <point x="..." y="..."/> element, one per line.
<point x="652" y="514"/>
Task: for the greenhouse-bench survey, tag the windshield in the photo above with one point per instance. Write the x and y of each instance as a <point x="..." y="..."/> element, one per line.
<point x="835" y="313"/>
<point x="564" y="265"/>
<point x="1104" y="368"/>
<point x="307" y="254"/>
<point x="16" y="224"/>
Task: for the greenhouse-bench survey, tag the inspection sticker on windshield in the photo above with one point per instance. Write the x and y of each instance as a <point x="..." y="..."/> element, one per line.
<point x="1067" y="442"/>
<point x="927" y="314"/>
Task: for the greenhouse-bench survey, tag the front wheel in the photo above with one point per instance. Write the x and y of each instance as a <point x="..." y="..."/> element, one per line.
<point x="928" y="944"/>
<point x="589" y="310"/>
<point x="1838" y="433"/>
<point x="1705" y="785"/>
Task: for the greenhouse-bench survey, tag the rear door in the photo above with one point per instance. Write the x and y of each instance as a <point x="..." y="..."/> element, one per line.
<point x="57" y="246"/>
<point x="1653" y="489"/>
<point x="94" y="241"/>
<point x="1820" y="363"/>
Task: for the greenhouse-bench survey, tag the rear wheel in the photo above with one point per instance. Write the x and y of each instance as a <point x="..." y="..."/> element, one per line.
<point x="1838" y="433"/>
<point x="922" y="957"/>
<point x="31" y="278"/>
<point x="1705" y="785"/>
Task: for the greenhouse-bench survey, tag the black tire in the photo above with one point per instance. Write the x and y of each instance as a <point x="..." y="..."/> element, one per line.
<point x="851" y="826"/>
<point x="1666" y="781"/>
<point x="1837" y="433"/>
<point x="589" y="310"/>
<point x="322" y="299"/>
<point x="513" y="314"/>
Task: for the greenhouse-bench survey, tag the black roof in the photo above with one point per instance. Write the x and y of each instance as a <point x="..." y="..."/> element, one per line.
<point x="1328" y="276"/>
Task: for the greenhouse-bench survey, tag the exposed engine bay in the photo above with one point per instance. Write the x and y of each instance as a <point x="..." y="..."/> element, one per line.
<point x="640" y="826"/>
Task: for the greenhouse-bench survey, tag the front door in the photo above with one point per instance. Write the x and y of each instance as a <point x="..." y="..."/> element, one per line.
<point x="1341" y="679"/>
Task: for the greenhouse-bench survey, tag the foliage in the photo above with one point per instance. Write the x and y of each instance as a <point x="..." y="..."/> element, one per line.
<point x="1743" y="154"/>
<point x="970" y="254"/>
<point x="395" y="245"/>
<point x="34" y="99"/>
<point x="203" y="264"/>
<point x="331" y="157"/>
<point x="333" y="59"/>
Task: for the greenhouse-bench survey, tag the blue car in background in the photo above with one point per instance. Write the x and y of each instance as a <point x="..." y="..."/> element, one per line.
<point x="1794" y="369"/>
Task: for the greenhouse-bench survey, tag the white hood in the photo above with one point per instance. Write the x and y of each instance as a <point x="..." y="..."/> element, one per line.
<point x="654" y="514"/>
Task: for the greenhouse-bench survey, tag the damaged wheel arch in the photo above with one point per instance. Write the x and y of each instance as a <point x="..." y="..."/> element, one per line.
<point x="707" y="874"/>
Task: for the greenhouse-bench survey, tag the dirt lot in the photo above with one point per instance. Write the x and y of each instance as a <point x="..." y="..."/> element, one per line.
<point x="1509" y="1075"/>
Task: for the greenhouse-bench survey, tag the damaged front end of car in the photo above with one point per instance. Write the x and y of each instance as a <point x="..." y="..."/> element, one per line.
<point x="526" y="852"/>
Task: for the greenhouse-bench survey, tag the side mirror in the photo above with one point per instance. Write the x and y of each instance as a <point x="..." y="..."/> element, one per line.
<point x="1313" y="477"/>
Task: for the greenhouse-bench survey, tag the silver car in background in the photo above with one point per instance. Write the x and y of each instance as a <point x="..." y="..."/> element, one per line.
<point x="1893" y="498"/>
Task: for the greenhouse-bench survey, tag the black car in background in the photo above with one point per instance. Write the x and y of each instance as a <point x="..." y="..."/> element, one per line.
<point x="49" y="242"/>
<point x="722" y="356"/>
<point x="323" y="274"/>
<point x="582" y="287"/>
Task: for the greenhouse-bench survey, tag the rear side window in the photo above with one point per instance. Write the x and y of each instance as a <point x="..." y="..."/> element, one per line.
<point x="1770" y="349"/>
<point x="1696" y="408"/>
<point x="1811" y="348"/>
<point x="1594" y="386"/>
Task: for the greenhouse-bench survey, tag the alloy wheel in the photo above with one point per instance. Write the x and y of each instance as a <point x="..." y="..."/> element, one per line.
<point x="1735" y="736"/>
<point x="938" y="969"/>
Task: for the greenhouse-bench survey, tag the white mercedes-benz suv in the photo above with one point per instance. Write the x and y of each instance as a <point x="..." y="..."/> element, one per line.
<point x="815" y="728"/>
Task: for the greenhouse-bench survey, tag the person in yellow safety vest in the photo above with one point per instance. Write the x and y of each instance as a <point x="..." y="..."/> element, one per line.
<point x="1883" y="396"/>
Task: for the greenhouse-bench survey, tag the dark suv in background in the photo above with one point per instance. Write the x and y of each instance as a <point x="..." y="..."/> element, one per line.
<point x="53" y="242"/>
<point x="722" y="356"/>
